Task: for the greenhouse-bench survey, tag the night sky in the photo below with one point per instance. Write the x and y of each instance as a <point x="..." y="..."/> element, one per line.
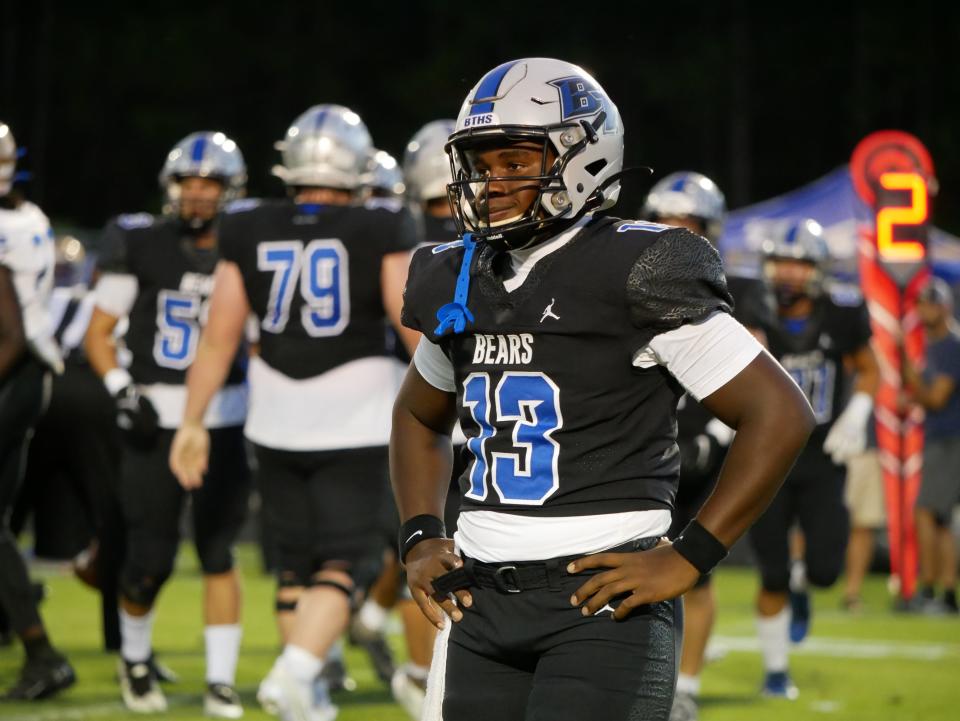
<point x="760" y="100"/>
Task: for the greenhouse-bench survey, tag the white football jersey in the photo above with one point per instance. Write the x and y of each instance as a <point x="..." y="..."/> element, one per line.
<point x="27" y="249"/>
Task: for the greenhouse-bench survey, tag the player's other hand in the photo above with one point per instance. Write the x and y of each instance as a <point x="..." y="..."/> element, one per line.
<point x="426" y="561"/>
<point x="136" y="416"/>
<point x="642" y="577"/>
<point x="189" y="454"/>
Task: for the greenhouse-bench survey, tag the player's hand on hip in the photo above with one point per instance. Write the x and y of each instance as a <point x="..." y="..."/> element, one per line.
<point x="189" y="454"/>
<point x="641" y="577"/>
<point x="426" y="561"/>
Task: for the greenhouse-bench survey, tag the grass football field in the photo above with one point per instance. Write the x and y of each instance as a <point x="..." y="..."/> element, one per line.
<point x="877" y="666"/>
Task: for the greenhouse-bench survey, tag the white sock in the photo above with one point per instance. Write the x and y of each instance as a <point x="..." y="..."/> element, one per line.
<point x="372" y="615"/>
<point x="223" y="650"/>
<point x="416" y="671"/>
<point x="137" y="635"/>
<point x="301" y="664"/>
<point x="798" y="576"/>
<point x="688" y="684"/>
<point x="774" y="632"/>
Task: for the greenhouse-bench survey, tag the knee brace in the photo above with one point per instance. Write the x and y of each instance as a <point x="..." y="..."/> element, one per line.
<point x="142" y="589"/>
<point x="287" y="580"/>
<point x="330" y="583"/>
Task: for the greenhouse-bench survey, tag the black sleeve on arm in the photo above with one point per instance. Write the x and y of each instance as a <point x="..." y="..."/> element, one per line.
<point x="13" y="340"/>
<point x="113" y="256"/>
<point x="677" y="280"/>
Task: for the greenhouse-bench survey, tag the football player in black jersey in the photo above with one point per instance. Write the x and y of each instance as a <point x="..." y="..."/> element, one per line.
<point x="821" y="336"/>
<point x="322" y="272"/>
<point x="693" y="201"/>
<point x="563" y="341"/>
<point x="160" y="278"/>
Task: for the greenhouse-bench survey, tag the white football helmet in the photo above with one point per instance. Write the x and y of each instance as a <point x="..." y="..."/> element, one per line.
<point x="684" y="195"/>
<point x="327" y="146"/>
<point x="795" y="240"/>
<point x="205" y="154"/>
<point x="385" y="180"/>
<point x="545" y="101"/>
<point x="8" y="159"/>
<point x="425" y="163"/>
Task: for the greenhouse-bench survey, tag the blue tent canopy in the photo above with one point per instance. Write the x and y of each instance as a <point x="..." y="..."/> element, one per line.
<point x="832" y="202"/>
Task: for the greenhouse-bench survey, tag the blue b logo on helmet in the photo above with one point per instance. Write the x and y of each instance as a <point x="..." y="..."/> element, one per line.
<point x="580" y="98"/>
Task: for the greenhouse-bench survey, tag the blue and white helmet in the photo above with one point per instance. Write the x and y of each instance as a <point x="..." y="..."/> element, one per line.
<point x="204" y="154"/>
<point x="327" y="146"/>
<point x="546" y="101"/>
<point x="385" y="180"/>
<point x="801" y="240"/>
<point x="8" y="159"/>
<point x="426" y="166"/>
<point x="688" y="195"/>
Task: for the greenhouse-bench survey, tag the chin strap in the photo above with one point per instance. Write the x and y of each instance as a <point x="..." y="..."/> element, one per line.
<point x="455" y="316"/>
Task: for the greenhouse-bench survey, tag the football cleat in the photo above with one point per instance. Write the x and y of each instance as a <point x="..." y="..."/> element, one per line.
<point x="777" y="684"/>
<point x="377" y="648"/>
<point x="283" y="696"/>
<point x="334" y="675"/>
<point x="42" y="678"/>
<point x="139" y="688"/>
<point x="409" y="690"/>
<point x="222" y="701"/>
<point x="799" y="615"/>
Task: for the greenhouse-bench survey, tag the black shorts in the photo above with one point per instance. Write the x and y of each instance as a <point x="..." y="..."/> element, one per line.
<point x="813" y="497"/>
<point x="324" y="508"/>
<point x="531" y="656"/>
<point x="22" y="393"/>
<point x="152" y="502"/>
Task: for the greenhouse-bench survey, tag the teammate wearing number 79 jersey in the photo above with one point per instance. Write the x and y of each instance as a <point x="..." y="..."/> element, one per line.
<point x="158" y="274"/>
<point x="323" y="273"/>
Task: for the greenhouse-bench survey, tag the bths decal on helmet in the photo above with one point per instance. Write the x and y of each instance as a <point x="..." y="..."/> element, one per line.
<point x="557" y="107"/>
<point x="328" y="146"/>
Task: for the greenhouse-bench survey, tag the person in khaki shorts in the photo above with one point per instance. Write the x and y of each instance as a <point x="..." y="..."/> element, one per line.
<point x="865" y="500"/>
<point x="935" y="388"/>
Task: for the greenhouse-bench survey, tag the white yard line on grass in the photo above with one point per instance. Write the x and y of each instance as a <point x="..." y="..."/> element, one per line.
<point x="114" y="708"/>
<point x="848" y="648"/>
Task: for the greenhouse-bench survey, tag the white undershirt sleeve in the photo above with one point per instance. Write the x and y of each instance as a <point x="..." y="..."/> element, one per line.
<point x="434" y="366"/>
<point x="116" y="292"/>
<point x="703" y="356"/>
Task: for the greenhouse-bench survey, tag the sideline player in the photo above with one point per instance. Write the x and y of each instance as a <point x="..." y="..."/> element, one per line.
<point x="322" y="273"/>
<point x="821" y="336"/>
<point x="160" y="277"/>
<point x="562" y="339"/>
<point x="27" y="356"/>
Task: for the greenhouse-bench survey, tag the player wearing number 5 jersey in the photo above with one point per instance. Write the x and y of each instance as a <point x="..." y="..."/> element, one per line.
<point x="821" y="335"/>
<point x="570" y="416"/>
<point x="159" y="275"/>
<point x="323" y="273"/>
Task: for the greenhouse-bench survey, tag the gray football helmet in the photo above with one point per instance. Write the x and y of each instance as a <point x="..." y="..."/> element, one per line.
<point x="800" y="240"/>
<point x="385" y="179"/>
<point x="545" y="102"/>
<point x="327" y="146"/>
<point x="687" y="194"/>
<point x="8" y="159"/>
<point x="204" y="154"/>
<point x="425" y="163"/>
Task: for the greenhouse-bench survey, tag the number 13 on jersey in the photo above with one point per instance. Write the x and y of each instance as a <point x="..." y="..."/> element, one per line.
<point x="321" y="271"/>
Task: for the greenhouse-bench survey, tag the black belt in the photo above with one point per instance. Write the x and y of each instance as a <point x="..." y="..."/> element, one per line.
<point x="520" y="575"/>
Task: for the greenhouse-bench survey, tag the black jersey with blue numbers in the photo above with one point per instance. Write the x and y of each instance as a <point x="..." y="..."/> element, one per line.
<point x="812" y="349"/>
<point x="312" y="277"/>
<point x="559" y="421"/>
<point x="174" y="282"/>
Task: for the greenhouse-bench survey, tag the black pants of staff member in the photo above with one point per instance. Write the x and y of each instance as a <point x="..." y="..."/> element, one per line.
<point x="72" y="487"/>
<point x="21" y="402"/>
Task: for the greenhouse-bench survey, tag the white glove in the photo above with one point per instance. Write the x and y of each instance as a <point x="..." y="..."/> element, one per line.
<point x="848" y="436"/>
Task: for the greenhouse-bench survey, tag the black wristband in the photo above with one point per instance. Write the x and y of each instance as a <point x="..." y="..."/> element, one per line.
<point x="419" y="528"/>
<point x="700" y="547"/>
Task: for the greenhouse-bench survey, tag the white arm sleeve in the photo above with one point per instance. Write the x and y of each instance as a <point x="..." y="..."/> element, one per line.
<point x="703" y="356"/>
<point x="116" y="292"/>
<point x="434" y="366"/>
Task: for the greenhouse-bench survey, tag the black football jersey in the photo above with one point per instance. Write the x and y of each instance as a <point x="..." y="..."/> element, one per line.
<point x="174" y="280"/>
<point x="811" y="350"/>
<point x="312" y="276"/>
<point x="558" y="419"/>
<point x="438" y="230"/>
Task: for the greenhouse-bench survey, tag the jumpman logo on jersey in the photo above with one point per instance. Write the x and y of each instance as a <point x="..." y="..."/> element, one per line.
<point x="548" y="312"/>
